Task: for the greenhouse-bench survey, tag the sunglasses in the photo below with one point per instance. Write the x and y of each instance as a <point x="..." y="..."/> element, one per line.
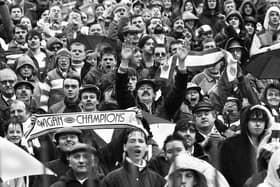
<point x="160" y="54"/>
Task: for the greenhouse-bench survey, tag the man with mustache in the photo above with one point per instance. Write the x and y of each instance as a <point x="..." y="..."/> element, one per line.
<point x="24" y="92"/>
<point x="178" y="28"/>
<point x="19" y="40"/>
<point x="145" y="92"/>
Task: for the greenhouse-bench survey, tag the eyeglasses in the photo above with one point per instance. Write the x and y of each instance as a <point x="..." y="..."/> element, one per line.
<point x="160" y="54"/>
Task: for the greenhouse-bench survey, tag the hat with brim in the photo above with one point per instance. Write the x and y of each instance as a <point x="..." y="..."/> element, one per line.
<point x="138" y="2"/>
<point x="156" y="3"/>
<point x="234" y="43"/>
<point x="120" y="6"/>
<point x="27" y="83"/>
<point x="193" y="86"/>
<point x="90" y="88"/>
<point x="146" y="81"/>
<point x="187" y="16"/>
<point x="81" y="147"/>
<point x="203" y="106"/>
<point x="67" y="130"/>
<point x="131" y="29"/>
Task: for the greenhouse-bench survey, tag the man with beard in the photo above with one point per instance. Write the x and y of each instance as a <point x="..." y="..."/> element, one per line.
<point x="19" y="40"/>
<point x="178" y="28"/>
<point x="155" y="28"/>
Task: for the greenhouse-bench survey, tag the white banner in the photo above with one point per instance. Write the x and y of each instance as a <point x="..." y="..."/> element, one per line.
<point x="43" y="124"/>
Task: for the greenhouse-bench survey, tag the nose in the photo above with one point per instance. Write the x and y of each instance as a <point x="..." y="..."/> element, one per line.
<point x="82" y="159"/>
<point x="183" y="180"/>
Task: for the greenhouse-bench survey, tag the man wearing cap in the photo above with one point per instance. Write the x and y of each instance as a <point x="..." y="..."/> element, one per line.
<point x="137" y="7"/>
<point x="65" y="139"/>
<point x="210" y="129"/>
<point x="81" y="173"/>
<point x="24" y="92"/>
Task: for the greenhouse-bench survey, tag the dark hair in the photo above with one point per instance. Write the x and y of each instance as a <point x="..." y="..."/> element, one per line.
<point x="259" y="114"/>
<point x="99" y="5"/>
<point x="6" y="125"/>
<point x="173" y="42"/>
<point x="77" y="43"/>
<point x="21" y="26"/>
<point x="184" y="124"/>
<point x="269" y="86"/>
<point x="108" y="50"/>
<point x="160" y="45"/>
<point x="33" y="33"/>
<point x="15" y="6"/>
<point x="133" y="16"/>
<point x="275" y="35"/>
<point x="174" y="137"/>
<point x="130" y="130"/>
<point x="144" y="39"/>
<point x="71" y="76"/>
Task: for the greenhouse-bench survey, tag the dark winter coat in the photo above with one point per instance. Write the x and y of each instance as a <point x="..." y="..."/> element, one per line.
<point x="69" y="180"/>
<point x="238" y="155"/>
<point x="130" y="176"/>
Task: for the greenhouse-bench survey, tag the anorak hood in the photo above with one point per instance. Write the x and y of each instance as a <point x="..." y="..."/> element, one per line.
<point x="241" y="8"/>
<point x="266" y="19"/>
<point x="244" y="118"/>
<point x="207" y="11"/>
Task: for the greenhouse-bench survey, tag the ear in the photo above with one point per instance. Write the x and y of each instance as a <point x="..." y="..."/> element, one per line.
<point x="124" y="148"/>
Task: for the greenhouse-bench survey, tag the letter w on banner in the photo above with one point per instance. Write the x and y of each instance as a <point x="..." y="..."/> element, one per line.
<point x="46" y="123"/>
